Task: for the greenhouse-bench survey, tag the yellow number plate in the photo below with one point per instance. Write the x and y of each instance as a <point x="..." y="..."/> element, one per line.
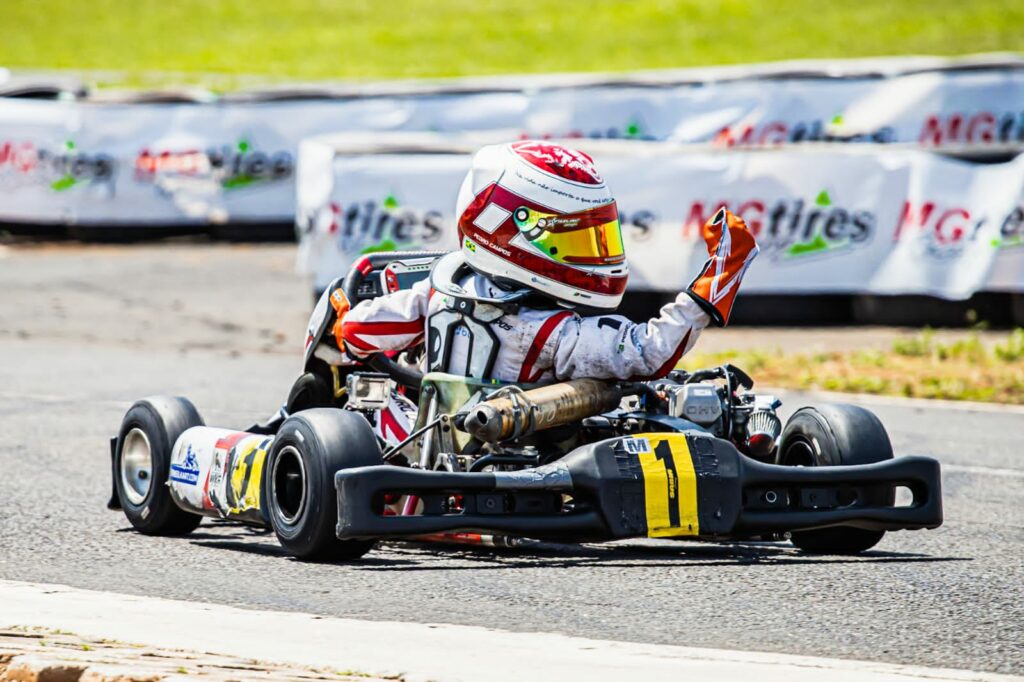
<point x="670" y="484"/>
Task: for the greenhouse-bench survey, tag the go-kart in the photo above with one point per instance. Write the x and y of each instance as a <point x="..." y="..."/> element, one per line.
<point x="694" y="455"/>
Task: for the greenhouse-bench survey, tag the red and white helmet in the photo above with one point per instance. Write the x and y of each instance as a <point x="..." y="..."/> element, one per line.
<point x="539" y="214"/>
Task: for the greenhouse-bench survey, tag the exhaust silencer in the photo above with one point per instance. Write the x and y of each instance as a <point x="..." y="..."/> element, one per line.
<point x="515" y="413"/>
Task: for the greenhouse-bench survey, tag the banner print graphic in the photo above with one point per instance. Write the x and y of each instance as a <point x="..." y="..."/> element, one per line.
<point x="834" y="220"/>
<point x="232" y="159"/>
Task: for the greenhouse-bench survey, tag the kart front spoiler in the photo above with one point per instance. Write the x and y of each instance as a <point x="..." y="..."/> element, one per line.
<point x="657" y="485"/>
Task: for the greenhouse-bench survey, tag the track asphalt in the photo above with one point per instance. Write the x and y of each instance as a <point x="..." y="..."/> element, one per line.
<point x="84" y="332"/>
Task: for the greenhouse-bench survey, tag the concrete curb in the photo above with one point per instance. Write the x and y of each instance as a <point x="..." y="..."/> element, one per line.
<point x="34" y="668"/>
<point x="30" y="668"/>
<point x="47" y="655"/>
<point x="418" y="651"/>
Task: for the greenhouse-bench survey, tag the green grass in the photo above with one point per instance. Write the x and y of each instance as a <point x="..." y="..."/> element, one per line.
<point x="405" y="38"/>
<point x="918" y="366"/>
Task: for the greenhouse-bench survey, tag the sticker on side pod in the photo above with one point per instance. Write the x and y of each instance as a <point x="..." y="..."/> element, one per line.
<point x="554" y="476"/>
<point x="635" y="446"/>
<point x="188" y="471"/>
<point x="247" y="473"/>
<point x="217" y="479"/>
<point x="670" y="485"/>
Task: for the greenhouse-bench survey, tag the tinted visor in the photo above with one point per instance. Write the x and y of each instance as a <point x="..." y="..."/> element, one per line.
<point x="591" y="237"/>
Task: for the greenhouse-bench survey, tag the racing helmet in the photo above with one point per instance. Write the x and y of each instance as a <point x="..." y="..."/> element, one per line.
<point x="538" y="214"/>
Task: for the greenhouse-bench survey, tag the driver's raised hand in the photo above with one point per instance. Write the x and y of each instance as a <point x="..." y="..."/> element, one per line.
<point x="731" y="250"/>
<point x="341" y="306"/>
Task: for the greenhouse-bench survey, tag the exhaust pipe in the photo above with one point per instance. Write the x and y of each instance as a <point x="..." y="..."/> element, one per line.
<point x="517" y="413"/>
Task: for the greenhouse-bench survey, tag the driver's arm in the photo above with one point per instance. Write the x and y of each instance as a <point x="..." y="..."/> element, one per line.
<point x="613" y="347"/>
<point x="392" y="322"/>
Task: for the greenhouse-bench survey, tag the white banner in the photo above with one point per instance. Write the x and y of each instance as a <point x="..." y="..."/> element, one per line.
<point x="79" y="162"/>
<point x="829" y="220"/>
<point x="98" y="160"/>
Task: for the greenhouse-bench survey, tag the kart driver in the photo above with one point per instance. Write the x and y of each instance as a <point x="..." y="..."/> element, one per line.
<point x="529" y="296"/>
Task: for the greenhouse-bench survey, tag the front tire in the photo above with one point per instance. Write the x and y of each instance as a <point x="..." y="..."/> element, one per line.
<point x="142" y="463"/>
<point x="311" y="446"/>
<point x="837" y="435"/>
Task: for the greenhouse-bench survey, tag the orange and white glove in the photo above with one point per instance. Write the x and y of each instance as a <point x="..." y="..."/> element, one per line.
<point x="732" y="249"/>
<point x="323" y="334"/>
<point x="341" y="306"/>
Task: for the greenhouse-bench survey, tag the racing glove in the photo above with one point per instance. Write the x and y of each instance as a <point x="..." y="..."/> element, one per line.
<point x="340" y="304"/>
<point x="323" y="335"/>
<point x="732" y="249"/>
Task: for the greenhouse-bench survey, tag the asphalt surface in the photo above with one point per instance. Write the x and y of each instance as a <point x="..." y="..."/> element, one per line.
<point x="84" y="332"/>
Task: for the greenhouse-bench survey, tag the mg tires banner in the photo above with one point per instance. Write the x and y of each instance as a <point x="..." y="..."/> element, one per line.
<point x="868" y="219"/>
<point x="101" y="159"/>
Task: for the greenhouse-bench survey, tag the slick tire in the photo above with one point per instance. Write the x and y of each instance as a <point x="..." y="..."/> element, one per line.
<point x="837" y="435"/>
<point x="311" y="446"/>
<point x="142" y="463"/>
<point x="309" y="391"/>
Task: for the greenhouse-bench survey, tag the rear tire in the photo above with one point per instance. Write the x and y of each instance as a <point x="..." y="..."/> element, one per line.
<point x="309" y="391"/>
<point x="837" y="435"/>
<point x="311" y="446"/>
<point x="142" y="463"/>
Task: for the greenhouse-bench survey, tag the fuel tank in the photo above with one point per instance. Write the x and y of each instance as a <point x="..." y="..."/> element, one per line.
<point x="219" y="473"/>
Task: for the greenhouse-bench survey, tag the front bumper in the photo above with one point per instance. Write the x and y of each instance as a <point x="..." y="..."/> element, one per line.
<point x="656" y="485"/>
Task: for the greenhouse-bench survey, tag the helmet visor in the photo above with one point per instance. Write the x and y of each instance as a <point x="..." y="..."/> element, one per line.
<point x="591" y="237"/>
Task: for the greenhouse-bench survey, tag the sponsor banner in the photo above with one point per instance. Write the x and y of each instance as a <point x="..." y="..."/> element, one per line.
<point x="69" y="162"/>
<point x="99" y="159"/>
<point x="1007" y="273"/>
<point x="867" y="219"/>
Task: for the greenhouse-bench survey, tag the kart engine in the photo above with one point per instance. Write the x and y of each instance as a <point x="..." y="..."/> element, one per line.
<point x="748" y="420"/>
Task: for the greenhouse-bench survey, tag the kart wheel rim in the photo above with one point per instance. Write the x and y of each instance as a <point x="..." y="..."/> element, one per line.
<point x="136" y="466"/>
<point x="288" y="485"/>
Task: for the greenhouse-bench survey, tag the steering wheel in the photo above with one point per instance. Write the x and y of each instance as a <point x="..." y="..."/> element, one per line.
<point x="354" y="280"/>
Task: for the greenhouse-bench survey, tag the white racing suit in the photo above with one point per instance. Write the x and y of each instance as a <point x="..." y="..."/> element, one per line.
<point x="533" y="345"/>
